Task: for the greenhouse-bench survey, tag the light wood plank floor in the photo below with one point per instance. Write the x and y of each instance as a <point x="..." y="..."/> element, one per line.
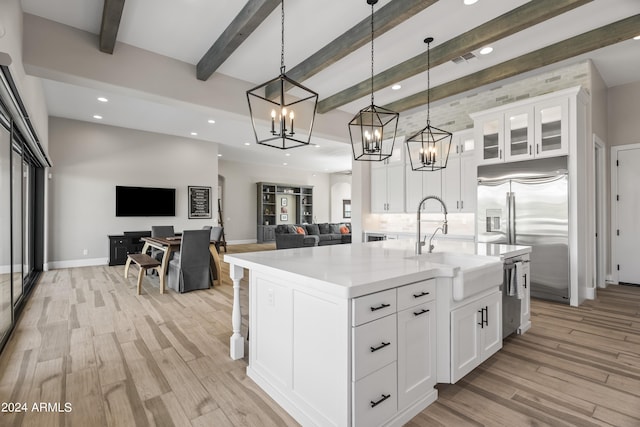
<point x="120" y="359"/>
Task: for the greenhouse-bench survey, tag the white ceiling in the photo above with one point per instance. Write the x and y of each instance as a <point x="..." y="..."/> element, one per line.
<point x="186" y="29"/>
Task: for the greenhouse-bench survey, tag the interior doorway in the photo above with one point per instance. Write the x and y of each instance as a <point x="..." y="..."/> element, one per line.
<point x="625" y="198"/>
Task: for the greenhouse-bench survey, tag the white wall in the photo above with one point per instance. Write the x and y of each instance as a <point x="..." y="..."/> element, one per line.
<point x="89" y="160"/>
<point x="240" y="199"/>
<point x="340" y="190"/>
<point x="29" y="88"/>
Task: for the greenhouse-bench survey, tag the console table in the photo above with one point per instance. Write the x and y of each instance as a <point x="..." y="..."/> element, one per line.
<point x="126" y="243"/>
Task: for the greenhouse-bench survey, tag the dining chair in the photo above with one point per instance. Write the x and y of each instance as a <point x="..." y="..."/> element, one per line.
<point x="216" y="235"/>
<point x="160" y="231"/>
<point x="189" y="270"/>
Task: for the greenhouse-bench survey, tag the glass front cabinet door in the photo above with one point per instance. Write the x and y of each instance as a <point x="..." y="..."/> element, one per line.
<point x="552" y="128"/>
<point x="490" y="135"/>
<point x="518" y="134"/>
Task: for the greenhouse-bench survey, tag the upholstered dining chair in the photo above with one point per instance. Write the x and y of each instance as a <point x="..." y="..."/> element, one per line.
<point x="189" y="269"/>
<point x="160" y="231"/>
<point x="216" y="235"/>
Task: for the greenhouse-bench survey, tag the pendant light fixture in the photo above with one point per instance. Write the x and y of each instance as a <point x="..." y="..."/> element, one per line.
<point x="283" y="121"/>
<point x="373" y="129"/>
<point x="429" y="148"/>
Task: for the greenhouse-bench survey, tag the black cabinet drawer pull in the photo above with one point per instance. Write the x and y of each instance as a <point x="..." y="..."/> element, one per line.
<point x="384" y="397"/>
<point x="424" y="310"/>
<point x="481" y="311"/>
<point x="383" y="345"/>
<point x="486" y="316"/>
<point x="381" y="306"/>
<point x="421" y="294"/>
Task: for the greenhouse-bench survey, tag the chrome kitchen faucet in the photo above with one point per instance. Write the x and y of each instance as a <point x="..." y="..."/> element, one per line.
<point x="444" y="228"/>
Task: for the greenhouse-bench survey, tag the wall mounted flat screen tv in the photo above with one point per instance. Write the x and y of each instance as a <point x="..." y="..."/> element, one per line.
<point x="145" y="201"/>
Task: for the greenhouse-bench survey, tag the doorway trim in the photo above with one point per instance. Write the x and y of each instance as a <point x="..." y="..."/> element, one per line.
<point x="600" y="200"/>
<point x="614" y="206"/>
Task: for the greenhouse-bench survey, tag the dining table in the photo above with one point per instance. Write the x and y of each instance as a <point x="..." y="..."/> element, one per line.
<point x="168" y="245"/>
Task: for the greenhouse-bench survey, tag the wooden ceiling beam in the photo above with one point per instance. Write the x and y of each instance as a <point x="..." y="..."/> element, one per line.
<point x="518" y="19"/>
<point x="111" y="15"/>
<point x="386" y="18"/>
<point x="595" y="39"/>
<point x="245" y="22"/>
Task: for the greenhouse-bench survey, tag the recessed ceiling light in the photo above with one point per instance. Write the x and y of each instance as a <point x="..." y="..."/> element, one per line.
<point x="103" y="99"/>
<point x="486" y="50"/>
<point x="636" y="38"/>
<point x="396" y="87"/>
<point x="194" y="133"/>
<point x="247" y="143"/>
<point x="285" y="164"/>
<point x="470" y="2"/>
<point x="211" y="121"/>
<point x="287" y="154"/>
<point x="219" y="155"/>
<point x="317" y="146"/>
<point x="96" y="116"/>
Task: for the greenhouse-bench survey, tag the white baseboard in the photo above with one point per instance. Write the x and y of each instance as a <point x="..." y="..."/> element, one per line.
<point x="55" y="265"/>
<point x="241" y="242"/>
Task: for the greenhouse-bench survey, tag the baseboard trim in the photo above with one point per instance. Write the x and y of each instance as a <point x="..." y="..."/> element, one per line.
<point x="241" y="242"/>
<point x="90" y="262"/>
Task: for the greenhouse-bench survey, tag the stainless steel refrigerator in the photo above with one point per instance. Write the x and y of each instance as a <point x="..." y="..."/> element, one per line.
<point x="527" y="203"/>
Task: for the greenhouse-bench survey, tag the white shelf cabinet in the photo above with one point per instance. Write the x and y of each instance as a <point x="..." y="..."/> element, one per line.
<point x="419" y="185"/>
<point x="523" y="130"/>
<point x="460" y="177"/>
<point x="476" y="333"/>
<point x="387" y="183"/>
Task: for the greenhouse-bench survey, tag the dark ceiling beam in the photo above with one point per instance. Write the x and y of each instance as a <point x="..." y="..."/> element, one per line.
<point x="516" y="20"/>
<point x="247" y="20"/>
<point x="386" y="18"/>
<point x="111" y="14"/>
<point x="595" y="39"/>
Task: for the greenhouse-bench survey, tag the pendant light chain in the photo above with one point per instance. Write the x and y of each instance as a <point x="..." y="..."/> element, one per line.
<point x="282" y="38"/>
<point x="428" y="81"/>
<point x="372" y="3"/>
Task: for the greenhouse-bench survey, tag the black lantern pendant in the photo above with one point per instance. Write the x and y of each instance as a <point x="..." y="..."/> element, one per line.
<point x="373" y="129"/>
<point x="429" y="148"/>
<point x="283" y="121"/>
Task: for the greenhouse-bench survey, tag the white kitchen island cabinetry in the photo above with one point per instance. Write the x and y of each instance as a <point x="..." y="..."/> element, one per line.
<point x="476" y="333"/>
<point x="348" y="335"/>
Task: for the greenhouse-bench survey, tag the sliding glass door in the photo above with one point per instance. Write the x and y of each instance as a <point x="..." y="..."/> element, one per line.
<point x="6" y="302"/>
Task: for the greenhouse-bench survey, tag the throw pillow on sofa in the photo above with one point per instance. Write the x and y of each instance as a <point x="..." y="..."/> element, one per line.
<point x="300" y="230"/>
<point x="344" y="230"/>
<point x="324" y="228"/>
<point x="312" y="229"/>
<point x="335" y="228"/>
<point x="292" y="229"/>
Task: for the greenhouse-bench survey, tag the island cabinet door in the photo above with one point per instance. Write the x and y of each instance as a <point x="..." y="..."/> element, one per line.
<point x="465" y="340"/>
<point x="476" y="334"/>
<point x="416" y="353"/>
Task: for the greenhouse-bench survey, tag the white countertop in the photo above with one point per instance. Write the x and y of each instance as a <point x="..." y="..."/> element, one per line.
<point x="352" y="270"/>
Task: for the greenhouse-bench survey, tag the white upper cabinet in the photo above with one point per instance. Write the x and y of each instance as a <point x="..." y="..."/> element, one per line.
<point x="552" y="128"/>
<point x="524" y="130"/>
<point x="460" y="176"/>
<point x="387" y="182"/>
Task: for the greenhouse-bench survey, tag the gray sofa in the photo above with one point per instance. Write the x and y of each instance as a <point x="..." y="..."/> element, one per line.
<point x="315" y="235"/>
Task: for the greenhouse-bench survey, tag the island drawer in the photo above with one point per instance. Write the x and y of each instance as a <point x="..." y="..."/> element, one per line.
<point x="416" y="293"/>
<point x="373" y="306"/>
<point x="375" y="397"/>
<point x="374" y="346"/>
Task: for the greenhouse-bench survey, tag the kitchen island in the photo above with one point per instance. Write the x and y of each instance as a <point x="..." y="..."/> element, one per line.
<point x="360" y="334"/>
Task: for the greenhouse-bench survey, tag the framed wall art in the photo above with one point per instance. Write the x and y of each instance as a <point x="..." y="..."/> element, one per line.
<point x="199" y="202"/>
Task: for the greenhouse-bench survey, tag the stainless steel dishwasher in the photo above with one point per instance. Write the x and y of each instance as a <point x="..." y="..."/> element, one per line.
<point x="515" y="295"/>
